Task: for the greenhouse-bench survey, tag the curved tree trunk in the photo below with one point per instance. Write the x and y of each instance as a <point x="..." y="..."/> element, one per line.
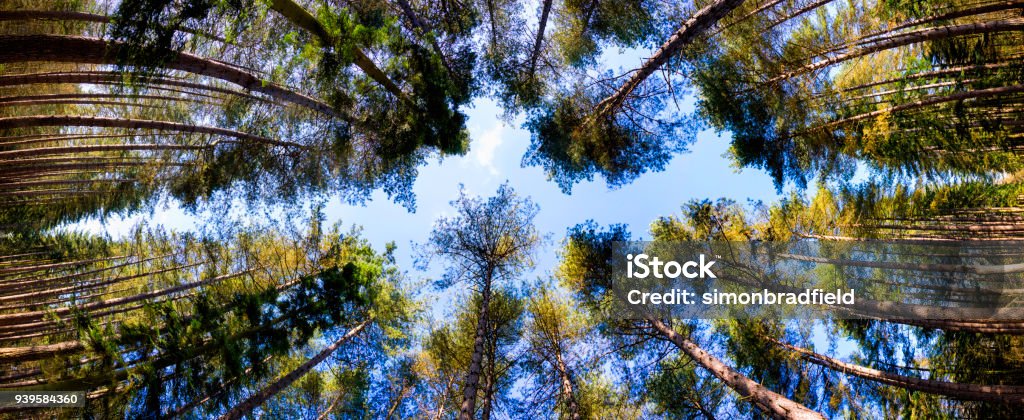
<point x="33" y="99"/>
<point x="257" y="399"/>
<point x="973" y="11"/>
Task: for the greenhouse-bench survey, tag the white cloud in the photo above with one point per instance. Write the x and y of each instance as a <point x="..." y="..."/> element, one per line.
<point x="485" y="145"/>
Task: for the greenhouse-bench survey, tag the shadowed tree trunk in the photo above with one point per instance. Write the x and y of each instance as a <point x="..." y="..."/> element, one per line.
<point x="257" y="399"/>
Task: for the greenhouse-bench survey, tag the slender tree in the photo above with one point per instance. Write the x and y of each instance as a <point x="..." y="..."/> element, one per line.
<point x="489" y="240"/>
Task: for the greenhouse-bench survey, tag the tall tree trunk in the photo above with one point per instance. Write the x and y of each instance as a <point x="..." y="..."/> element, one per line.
<point x="491" y="377"/>
<point x="81" y="121"/>
<point x="210" y="395"/>
<point x="920" y="103"/>
<point x="911" y="266"/>
<point x="967" y="392"/>
<point x="84" y="50"/>
<point x="973" y="11"/>
<point x="10" y="286"/>
<point x="393" y="407"/>
<point x="797" y="12"/>
<point x="694" y="27"/>
<point x="14" y="15"/>
<point x="11" y="15"/>
<point x="27" y="296"/>
<point x="115" y="78"/>
<point x="18" y="318"/>
<point x="257" y="399"/>
<point x="46" y="351"/>
<point x="539" y="41"/>
<point x="330" y="408"/>
<point x="903" y="39"/>
<point x="975" y="326"/>
<point x="62" y="150"/>
<point x="567" y="390"/>
<point x="950" y="71"/>
<point x="772" y="403"/>
<point x="469" y="390"/>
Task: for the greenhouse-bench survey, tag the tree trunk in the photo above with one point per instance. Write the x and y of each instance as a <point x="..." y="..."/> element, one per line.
<point x="65" y="264"/>
<point x="934" y="100"/>
<point x="83" y="50"/>
<point x="46" y="351"/>
<point x="491" y="377"/>
<point x="966" y="392"/>
<point x="545" y="11"/>
<point x="772" y="403"/>
<point x="974" y="326"/>
<point x="257" y="399"/>
<point x="81" y="121"/>
<point x="908" y="38"/>
<point x="10" y="15"/>
<point x="22" y="285"/>
<point x="26" y="296"/>
<point x="974" y="11"/>
<point x="955" y="71"/>
<point x="398" y="400"/>
<point x="694" y="27"/>
<point x="424" y="30"/>
<point x="23" y="99"/>
<point x="468" y="408"/>
<point x="114" y="78"/>
<point x="51" y="151"/>
<point x="17" y="318"/>
<point x="798" y="12"/>
<point x="910" y="266"/>
<point x="568" y="392"/>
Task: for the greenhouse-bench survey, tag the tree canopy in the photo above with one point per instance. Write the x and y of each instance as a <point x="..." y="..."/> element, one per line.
<point x="893" y="122"/>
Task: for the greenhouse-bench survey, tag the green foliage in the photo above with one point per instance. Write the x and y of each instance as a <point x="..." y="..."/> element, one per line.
<point x="572" y="143"/>
<point x="489" y="239"/>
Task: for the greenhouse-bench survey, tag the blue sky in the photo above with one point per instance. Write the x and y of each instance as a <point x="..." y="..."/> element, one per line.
<point x="494" y="157"/>
<point x="496" y="150"/>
